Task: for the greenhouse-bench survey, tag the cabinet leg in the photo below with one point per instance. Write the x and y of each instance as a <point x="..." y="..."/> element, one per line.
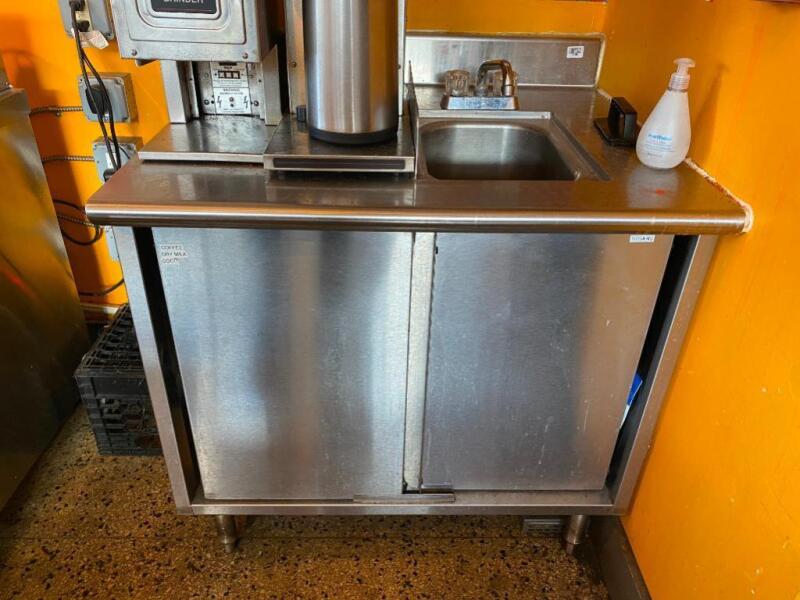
<point x="228" y="530"/>
<point x="575" y="532"/>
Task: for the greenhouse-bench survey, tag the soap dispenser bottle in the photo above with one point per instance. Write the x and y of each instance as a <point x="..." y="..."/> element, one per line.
<point x="665" y="137"/>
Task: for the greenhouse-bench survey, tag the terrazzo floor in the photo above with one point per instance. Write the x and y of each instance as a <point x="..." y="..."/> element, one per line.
<point x="86" y="526"/>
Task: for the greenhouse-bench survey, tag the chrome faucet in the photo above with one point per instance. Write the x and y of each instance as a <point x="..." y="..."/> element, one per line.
<point x="486" y="94"/>
<point x="508" y="86"/>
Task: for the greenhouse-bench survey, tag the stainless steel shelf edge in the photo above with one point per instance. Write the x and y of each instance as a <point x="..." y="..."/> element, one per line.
<point x="410" y="219"/>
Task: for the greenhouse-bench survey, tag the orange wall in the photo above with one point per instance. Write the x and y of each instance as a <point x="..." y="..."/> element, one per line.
<point x="717" y="514"/>
<point x="41" y="58"/>
<point x="509" y="16"/>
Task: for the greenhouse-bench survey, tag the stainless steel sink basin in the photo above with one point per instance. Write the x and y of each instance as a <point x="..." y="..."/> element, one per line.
<point x="489" y="149"/>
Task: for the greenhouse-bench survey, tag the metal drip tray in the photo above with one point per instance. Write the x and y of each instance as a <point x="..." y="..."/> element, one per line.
<point x="293" y="149"/>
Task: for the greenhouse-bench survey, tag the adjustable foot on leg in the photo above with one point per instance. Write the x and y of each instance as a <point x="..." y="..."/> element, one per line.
<point x="575" y="532"/>
<point x="228" y="530"/>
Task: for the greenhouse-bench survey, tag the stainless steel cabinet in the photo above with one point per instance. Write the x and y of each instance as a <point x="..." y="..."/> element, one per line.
<point x="292" y="352"/>
<point x="534" y="341"/>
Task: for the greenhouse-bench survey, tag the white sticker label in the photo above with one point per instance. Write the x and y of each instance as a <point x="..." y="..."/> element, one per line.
<point x="171" y="254"/>
<point x="231" y="88"/>
<point x="643" y="239"/>
<point x="575" y="51"/>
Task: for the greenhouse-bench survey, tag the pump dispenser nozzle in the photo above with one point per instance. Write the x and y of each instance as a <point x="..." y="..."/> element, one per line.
<point x="679" y="81"/>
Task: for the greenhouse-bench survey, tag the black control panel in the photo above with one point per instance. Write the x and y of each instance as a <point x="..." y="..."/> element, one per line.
<point x="205" y="7"/>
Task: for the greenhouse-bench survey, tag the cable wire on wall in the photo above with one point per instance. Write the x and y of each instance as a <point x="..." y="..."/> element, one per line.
<point x="104" y="292"/>
<point x="55" y="110"/>
<point x="67" y="158"/>
<point x="98" y="234"/>
<point x="98" y="231"/>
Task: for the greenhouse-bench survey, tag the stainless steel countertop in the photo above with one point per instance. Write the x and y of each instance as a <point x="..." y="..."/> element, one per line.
<point x="635" y="198"/>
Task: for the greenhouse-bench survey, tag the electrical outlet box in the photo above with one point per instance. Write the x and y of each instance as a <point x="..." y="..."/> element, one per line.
<point x="120" y="93"/>
<point x="192" y="30"/>
<point x="128" y="148"/>
<point x="97" y="12"/>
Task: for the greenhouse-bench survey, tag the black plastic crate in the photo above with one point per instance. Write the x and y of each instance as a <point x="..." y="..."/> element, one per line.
<point x="112" y="386"/>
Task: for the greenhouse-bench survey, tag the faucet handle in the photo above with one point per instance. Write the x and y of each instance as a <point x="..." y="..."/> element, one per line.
<point x="456" y="82"/>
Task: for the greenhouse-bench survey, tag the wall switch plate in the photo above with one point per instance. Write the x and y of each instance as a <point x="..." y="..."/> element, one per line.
<point x="128" y="148"/>
<point x="120" y="92"/>
<point x="97" y="12"/>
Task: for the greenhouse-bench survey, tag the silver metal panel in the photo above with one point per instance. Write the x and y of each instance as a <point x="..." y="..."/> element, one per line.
<point x="635" y="200"/>
<point x="635" y="437"/>
<point x="237" y="31"/>
<point x="270" y="73"/>
<point x="419" y="327"/>
<point x="226" y="139"/>
<point x="42" y="331"/>
<point x="533" y="348"/>
<point x="553" y="60"/>
<point x="293" y="149"/>
<point x="295" y="54"/>
<point x="176" y="90"/>
<point x="292" y="349"/>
